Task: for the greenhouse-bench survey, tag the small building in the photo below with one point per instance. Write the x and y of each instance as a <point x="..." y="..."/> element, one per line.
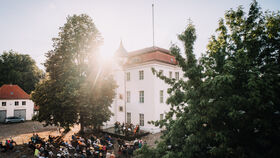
<point x="15" y="102"/>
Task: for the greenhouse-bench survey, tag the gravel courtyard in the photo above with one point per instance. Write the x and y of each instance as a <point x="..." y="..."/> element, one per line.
<point x="21" y="132"/>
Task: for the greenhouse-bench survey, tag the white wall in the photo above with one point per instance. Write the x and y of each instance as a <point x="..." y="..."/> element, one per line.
<point x="162" y="108"/>
<point x="134" y="86"/>
<point x="151" y="85"/>
<point x="10" y="107"/>
<point x="119" y="75"/>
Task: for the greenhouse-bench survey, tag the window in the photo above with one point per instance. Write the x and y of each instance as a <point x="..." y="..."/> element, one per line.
<point x="121" y="109"/>
<point x="16" y="103"/>
<point x="170" y="74"/>
<point x="177" y="75"/>
<point x="141" y="119"/>
<point x="128" y="96"/>
<point x="128" y="76"/>
<point x="3" y="103"/>
<point x="161" y="72"/>
<point x="161" y="117"/>
<point x="141" y="96"/>
<point x="141" y="75"/>
<point x="161" y="96"/>
<point x="23" y="102"/>
<point x="128" y="117"/>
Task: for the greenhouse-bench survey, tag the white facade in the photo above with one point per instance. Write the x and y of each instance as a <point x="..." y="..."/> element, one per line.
<point x="11" y="109"/>
<point x="129" y="100"/>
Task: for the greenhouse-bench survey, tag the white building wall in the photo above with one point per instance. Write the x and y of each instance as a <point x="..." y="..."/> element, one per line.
<point x="10" y="107"/>
<point x="118" y="115"/>
<point x="151" y="85"/>
<point x="162" y="108"/>
<point x="134" y="86"/>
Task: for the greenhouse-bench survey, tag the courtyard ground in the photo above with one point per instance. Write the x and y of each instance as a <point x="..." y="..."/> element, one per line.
<point x="21" y="133"/>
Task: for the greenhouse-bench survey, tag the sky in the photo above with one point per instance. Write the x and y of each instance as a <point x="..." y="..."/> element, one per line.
<point x="28" y="26"/>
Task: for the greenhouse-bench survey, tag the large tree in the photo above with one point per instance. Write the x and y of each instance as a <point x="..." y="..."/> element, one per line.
<point x="19" y="69"/>
<point x="229" y="104"/>
<point x="78" y="87"/>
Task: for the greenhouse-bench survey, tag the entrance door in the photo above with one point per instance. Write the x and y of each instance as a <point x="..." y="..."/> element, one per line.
<point x="20" y="113"/>
<point x="2" y="115"/>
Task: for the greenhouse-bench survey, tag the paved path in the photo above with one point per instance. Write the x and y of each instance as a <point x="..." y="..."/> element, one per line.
<point x="22" y="130"/>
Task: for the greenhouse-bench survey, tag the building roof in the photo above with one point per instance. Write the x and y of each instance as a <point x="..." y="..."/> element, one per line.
<point x="9" y="91"/>
<point x="148" y="50"/>
<point x="121" y="51"/>
<point x="151" y="54"/>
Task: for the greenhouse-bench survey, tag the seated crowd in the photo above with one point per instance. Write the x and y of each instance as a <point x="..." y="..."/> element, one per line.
<point x="126" y="149"/>
<point x="82" y="147"/>
<point x="9" y="145"/>
<point x="79" y="147"/>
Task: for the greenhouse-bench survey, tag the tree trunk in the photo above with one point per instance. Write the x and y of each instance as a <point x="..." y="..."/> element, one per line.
<point x="82" y="129"/>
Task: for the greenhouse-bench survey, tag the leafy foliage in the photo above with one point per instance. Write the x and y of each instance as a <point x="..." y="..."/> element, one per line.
<point x="78" y="88"/>
<point x="19" y="69"/>
<point x="229" y="105"/>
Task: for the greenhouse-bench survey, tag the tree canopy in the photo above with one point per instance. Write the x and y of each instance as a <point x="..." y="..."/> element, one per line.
<point x="229" y="103"/>
<point x="19" y="69"/>
<point x="78" y="88"/>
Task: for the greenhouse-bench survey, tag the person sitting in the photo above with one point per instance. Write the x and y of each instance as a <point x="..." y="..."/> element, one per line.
<point x="113" y="155"/>
<point x="136" y="144"/>
<point x="7" y="144"/>
<point x="130" y="151"/>
<point x="12" y="143"/>
<point x="37" y="138"/>
<point x="108" y="155"/>
<point x="140" y="144"/>
<point x="33" y="139"/>
<point x="36" y="153"/>
<point x="50" y="139"/>
<point x="51" y="153"/>
<point x="3" y="147"/>
<point x="31" y="145"/>
<point x="123" y="128"/>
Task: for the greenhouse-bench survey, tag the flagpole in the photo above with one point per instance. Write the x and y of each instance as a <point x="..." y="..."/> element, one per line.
<point x="153" y="21"/>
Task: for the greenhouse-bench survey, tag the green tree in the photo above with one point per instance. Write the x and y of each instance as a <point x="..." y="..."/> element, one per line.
<point x="229" y="106"/>
<point x="19" y="69"/>
<point x="78" y="88"/>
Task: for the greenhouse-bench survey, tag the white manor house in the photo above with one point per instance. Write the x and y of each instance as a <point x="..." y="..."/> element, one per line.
<point x="141" y="96"/>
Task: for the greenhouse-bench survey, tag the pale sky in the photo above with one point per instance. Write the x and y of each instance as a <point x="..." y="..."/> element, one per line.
<point x="27" y="26"/>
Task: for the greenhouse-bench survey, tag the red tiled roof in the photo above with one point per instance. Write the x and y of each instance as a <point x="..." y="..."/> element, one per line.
<point x="9" y="91"/>
<point x="151" y="54"/>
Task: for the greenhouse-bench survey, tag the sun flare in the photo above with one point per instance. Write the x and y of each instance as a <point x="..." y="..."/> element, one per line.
<point x="106" y="53"/>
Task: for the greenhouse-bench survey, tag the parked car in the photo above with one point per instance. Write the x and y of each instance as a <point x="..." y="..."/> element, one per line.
<point x="13" y="119"/>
